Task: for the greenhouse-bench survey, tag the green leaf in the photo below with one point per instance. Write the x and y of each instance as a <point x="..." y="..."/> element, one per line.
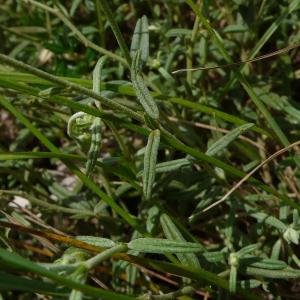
<point x="224" y="141"/>
<point x="15" y="261"/>
<point x="150" y="158"/>
<point x="140" y="39"/>
<point x="174" y="32"/>
<point x="74" y="7"/>
<point x="270" y="220"/>
<point x="10" y="282"/>
<point x="172" y="233"/>
<point x="286" y="274"/>
<point x="97" y="124"/>
<point x="97" y="74"/>
<point x="262" y="263"/>
<point x="153" y="245"/>
<point x="248" y="249"/>
<point x="85" y="180"/>
<point x="142" y="92"/>
<point x="169" y="166"/>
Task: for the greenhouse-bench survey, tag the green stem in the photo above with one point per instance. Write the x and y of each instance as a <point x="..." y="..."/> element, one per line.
<point x="46" y="204"/>
<point x="86" y="181"/>
<point x="219" y="43"/>
<point x="189" y="56"/>
<point x="75" y="31"/>
<point x="186" y="291"/>
<point x="96" y="260"/>
<point x="116" y="30"/>
<point x="101" y="28"/>
<point x="73" y="86"/>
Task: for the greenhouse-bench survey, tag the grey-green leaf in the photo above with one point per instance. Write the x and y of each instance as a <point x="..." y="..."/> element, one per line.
<point x="97" y="75"/>
<point x="150" y="159"/>
<point x="170" y="166"/>
<point x="96" y="241"/>
<point x="270" y="220"/>
<point x="224" y="141"/>
<point x="153" y="245"/>
<point x="141" y="89"/>
<point x="96" y="126"/>
<point x="263" y="263"/>
<point x="172" y="233"/>
<point x="140" y="39"/>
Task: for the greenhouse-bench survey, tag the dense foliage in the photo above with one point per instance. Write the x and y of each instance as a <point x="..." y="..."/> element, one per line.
<point x="121" y="178"/>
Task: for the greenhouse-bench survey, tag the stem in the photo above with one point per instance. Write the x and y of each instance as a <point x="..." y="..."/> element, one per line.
<point x="186" y="291"/>
<point x="189" y="59"/>
<point x="73" y="86"/>
<point x="85" y="180"/>
<point x="46" y="204"/>
<point x="260" y="105"/>
<point x="116" y="30"/>
<point x="76" y="32"/>
<point x="101" y="28"/>
<point x="96" y="260"/>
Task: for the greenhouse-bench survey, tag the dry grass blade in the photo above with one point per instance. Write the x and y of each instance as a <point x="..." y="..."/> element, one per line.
<point x="265" y="56"/>
<point x="270" y="158"/>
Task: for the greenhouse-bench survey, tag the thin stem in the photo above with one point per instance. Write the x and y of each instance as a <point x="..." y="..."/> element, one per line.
<point x="73" y="86"/>
<point x="251" y="173"/>
<point x="45" y="204"/>
<point x="243" y="81"/>
<point x="116" y="30"/>
<point x="85" y="180"/>
<point x="189" y="57"/>
<point x="96" y="260"/>
<point x="186" y="291"/>
<point x="214" y="128"/>
<point x="75" y="31"/>
<point x="101" y="28"/>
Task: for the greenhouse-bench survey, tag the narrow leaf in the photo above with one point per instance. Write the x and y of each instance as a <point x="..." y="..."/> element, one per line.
<point x="227" y="139"/>
<point x="170" y="166"/>
<point x="96" y="126"/>
<point x="141" y="89"/>
<point x="96" y="241"/>
<point x="18" y="262"/>
<point x="172" y="233"/>
<point x="153" y="245"/>
<point x="150" y="158"/>
<point x="140" y="39"/>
